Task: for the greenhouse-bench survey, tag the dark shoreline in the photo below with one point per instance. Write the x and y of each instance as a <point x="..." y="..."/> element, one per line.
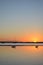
<point x="17" y="42"/>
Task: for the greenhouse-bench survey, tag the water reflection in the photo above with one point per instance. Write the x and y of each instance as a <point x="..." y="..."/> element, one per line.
<point x="21" y="55"/>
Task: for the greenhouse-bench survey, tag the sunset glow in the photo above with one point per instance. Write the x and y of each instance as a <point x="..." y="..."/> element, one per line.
<point x="34" y="41"/>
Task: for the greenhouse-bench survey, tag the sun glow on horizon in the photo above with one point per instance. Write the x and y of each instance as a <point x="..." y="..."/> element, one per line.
<point x="34" y="41"/>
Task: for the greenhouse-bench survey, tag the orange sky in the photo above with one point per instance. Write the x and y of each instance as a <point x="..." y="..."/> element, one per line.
<point x="31" y="37"/>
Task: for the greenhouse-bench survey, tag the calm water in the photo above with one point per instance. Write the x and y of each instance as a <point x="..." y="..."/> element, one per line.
<point x="26" y="55"/>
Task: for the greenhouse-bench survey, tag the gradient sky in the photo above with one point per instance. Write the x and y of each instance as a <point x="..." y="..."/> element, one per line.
<point x="21" y="20"/>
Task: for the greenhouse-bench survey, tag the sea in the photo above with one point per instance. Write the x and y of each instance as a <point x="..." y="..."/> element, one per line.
<point x="21" y="55"/>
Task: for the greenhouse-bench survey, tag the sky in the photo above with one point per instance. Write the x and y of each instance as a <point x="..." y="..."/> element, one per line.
<point x="21" y="20"/>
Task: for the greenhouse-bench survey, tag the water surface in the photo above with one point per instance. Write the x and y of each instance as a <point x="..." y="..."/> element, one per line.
<point x="21" y="55"/>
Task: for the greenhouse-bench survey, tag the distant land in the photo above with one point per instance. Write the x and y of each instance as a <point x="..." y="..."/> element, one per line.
<point x="17" y="42"/>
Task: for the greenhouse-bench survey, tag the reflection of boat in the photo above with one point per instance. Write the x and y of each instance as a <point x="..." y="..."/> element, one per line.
<point x="13" y="46"/>
<point x="36" y="46"/>
<point x="23" y="45"/>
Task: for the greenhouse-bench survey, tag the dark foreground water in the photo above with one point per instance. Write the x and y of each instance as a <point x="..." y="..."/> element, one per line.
<point x="21" y="55"/>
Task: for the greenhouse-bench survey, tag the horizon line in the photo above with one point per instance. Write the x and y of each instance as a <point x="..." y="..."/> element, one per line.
<point x="21" y="42"/>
